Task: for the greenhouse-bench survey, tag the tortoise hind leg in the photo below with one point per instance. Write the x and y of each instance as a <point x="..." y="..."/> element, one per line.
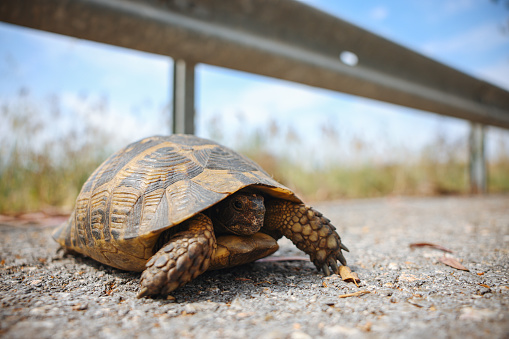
<point x="186" y="255"/>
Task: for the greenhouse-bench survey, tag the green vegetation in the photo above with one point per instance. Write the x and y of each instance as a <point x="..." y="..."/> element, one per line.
<point x="39" y="169"/>
<point x="424" y="176"/>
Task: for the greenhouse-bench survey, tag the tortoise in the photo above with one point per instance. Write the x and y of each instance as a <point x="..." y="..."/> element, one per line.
<point x="176" y="206"/>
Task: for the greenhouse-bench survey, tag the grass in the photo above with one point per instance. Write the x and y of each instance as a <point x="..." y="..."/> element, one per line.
<point x="368" y="180"/>
<point x="39" y="170"/>
<point x="438" y="169"/>
<point x="27" y="186"/>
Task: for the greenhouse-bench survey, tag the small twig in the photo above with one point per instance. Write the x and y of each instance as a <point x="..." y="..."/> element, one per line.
<point x="427" y="244"/>
<point x="355" y="294"/>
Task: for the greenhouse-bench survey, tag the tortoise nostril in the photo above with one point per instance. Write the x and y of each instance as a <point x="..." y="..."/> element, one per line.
<point x="260" y="207"/>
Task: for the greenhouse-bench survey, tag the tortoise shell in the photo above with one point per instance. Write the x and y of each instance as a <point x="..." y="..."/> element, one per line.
<point x="151" y="186"/>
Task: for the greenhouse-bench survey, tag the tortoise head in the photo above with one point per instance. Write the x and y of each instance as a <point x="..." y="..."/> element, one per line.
<point x="241" y="213"/>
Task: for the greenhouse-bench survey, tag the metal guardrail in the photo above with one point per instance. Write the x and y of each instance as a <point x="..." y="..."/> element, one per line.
<point x="283" y="39"/>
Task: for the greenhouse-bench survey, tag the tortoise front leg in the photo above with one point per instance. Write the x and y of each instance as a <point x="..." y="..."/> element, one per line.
<point x="186" y="255"/>
<point x="308" y="229"/>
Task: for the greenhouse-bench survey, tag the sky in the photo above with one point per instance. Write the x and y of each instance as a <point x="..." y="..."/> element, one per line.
<point x="127" y="93"/>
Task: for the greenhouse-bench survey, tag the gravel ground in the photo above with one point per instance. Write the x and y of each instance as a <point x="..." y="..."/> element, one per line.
<point x="412" y="293"/>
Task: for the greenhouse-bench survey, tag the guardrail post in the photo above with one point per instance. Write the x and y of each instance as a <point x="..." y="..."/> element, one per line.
<point x="183" y="97"/>
<point x="478" y="168"/>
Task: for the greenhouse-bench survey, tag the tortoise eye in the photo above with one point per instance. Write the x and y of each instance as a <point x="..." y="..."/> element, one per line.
<point x="237" y="204"/>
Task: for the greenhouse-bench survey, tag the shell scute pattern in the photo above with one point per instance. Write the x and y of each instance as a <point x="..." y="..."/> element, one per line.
<point x="81" y="216"/>
<point x="110" y="168"/>
<point x="183" y="194"/>
<point x="224" y="159"/>
<point x="98" y="218"/>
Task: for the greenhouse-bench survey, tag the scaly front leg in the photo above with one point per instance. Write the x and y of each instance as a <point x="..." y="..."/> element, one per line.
<point x="308" y="229"/>
<point x="186" y="255"/>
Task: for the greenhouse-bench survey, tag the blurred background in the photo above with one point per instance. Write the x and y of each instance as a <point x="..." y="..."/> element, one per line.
<point x="66" y="104"/>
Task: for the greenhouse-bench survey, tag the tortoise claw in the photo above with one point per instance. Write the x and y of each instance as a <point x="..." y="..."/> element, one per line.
<point x="341" y="258"/>
<point x="333" y="264"/>
<point x="326" y="270"/>
<point x="143" y="293"/>
<point x="343" y="247"/>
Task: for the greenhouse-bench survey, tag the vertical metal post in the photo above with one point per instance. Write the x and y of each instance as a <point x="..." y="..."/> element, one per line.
<point x="478" y="168"/>
<point x="183" y="97"/>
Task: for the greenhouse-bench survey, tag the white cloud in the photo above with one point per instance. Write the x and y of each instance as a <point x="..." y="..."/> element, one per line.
<point x="120" y="126"/>
<point x="330" y="126"/>
<point x="497" y="73"/>
<point x="479" y="39"/>
<point x="379" y="13"/>
<point x="456" y="6"/>
<point x="446" y="12"/>
<point x="483" y="41"/>
<point x="113" y="57"/>
<point x="260" y="102"/>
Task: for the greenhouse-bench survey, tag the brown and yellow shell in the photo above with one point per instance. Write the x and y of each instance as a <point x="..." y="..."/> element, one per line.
<point x="150" y="186"/>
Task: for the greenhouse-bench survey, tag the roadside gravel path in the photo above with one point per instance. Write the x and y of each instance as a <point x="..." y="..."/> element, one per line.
<point x="412" y="293"/>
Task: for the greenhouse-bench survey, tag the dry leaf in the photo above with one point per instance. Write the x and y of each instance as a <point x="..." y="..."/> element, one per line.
<point x="80" y="307"/>
<point x="355" y="294"/>
<point x="367" y="327"/>
<point x="453" y="263"/>
<point x="427" y="244"/>
<point x="347" y="274"/>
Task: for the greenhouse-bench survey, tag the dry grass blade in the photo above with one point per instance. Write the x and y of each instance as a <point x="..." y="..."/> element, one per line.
<point x="410" y="301"/>
<point x="355" y="294"/>
<point x="453" y="263"/>
<point x="427" y="244"/>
